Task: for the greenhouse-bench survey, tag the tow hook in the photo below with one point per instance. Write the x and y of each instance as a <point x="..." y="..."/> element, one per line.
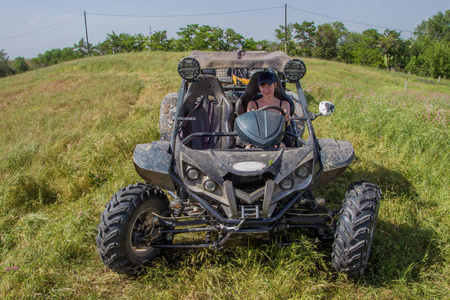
<point x="230" y="230"/>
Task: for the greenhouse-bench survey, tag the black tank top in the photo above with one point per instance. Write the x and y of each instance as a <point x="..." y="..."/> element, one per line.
<point x="257" y="106"/>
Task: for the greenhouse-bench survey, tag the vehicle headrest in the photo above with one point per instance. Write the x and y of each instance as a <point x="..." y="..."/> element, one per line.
<point x="252" y="91"/>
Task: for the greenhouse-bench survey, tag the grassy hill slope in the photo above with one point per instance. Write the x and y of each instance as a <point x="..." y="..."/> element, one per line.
<point x="67" y="138"/>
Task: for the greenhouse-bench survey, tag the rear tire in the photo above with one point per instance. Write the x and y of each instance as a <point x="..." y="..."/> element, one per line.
<point x="356" y="228"/>
<point x="125" y="227"/>
<point x="167" y="115"/>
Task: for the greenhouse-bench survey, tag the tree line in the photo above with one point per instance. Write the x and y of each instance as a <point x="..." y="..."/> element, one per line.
<point x="426" y="54"/>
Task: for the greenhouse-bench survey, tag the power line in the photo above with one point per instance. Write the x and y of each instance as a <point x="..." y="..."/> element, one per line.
<point x="186" y="15"/>
<point x="345" y="20"/>
<point x="142" y="16"/>
<point x="37" y="30"/>
<point x="201" y="14"/>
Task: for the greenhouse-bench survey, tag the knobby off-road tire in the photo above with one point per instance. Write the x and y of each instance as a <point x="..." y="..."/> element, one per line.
<point x="166" y="116"/>
<point x="356" y="228"/>
<point x="126" y="219"/>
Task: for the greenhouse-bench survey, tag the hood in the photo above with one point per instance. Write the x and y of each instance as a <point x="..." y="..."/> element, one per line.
<point x="218" y="164"/>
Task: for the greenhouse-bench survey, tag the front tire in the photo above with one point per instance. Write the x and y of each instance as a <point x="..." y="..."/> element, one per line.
<point x="127" y="226"/>
<point x="356" y="228"/>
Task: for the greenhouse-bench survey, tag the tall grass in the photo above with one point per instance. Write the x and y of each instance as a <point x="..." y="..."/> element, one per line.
<point x="68" y="134"/>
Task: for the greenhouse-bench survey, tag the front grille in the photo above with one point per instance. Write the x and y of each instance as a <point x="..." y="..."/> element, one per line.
<point x="249" y="184"/>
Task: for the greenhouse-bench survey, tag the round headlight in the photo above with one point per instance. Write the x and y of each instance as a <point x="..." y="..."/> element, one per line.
<point x="287" y="184"/>
<point x="294" y="69"/>
<point x="189" y="68"/>
<point x="192" y="174"/>
<point x="302" y="172"/>
<point x="209" y="185"/>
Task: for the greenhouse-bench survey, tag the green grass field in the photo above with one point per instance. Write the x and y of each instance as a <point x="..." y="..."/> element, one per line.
<point x="67" y="137"/>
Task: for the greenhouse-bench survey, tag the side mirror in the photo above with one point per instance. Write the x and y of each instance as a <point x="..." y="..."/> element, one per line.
<point x="326" y="108"/>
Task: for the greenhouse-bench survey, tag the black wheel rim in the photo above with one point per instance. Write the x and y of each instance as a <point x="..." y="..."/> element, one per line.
<point x="142" y="228"/>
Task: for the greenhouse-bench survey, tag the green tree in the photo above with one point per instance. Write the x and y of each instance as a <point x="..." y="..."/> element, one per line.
<point x="233" y="39"/>
<point x="348" y="47"/>
<point x="437" y="59"/>
<point x="210" y="38"/>
<point x="340" y="31"/>
<point x="431" y="49"/>
<point x="21" y="65"/>
<point x="5" y="67"/>
<point x="266" y="45"/>
<point x="326" y="41"/>
<point x="104" y="47"/>
<point x="203" y="38"/>
<point x="216" y="39"/>
<point x="437" y="27"/>
<point x="304" y="34"/>
<point x="433" y="60"/>
<point x="159" y="41"/>
<point x="195" y="37"/>
<point x="134" y="43"/>
<point x="56" y="56"/>
<point x="49" y="58"/>
<point x="285" y="38"/>
<point x="123" y="42"/>
<point x="368" y="51"/>
<point x="82" y="48"/>
<point x="394" y="49"/>
<point x="69" y="53"/>
<point x="249" y="45"/>
<point x="186" y="36"/>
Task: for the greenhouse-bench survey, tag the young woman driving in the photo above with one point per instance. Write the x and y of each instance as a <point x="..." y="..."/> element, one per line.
<point x="267" y="85"/>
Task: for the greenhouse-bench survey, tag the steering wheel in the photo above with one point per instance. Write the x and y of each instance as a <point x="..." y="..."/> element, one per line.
<point x="283" y="113"/>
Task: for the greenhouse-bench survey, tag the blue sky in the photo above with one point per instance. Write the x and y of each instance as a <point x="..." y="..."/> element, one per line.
<point x="30" y="27"/>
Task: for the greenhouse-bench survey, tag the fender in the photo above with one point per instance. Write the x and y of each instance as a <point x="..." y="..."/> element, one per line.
<point x="153" y="162"/>
<point x="336" y="156"/>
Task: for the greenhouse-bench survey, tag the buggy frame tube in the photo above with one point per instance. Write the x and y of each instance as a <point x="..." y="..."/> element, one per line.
<point x="218" y="244"/>
<point x="203" y="134"/>
<point x="312" y="134"/>
<point x="180" y="99"/>
<point x="225" y="220"/>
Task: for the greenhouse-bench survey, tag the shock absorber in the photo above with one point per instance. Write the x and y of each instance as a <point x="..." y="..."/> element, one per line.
<point x="177" y="207"/>
<point x="310" y="203"/>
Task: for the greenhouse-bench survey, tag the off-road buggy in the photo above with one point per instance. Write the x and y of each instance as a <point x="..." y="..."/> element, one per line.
<point x="224" y="193"/>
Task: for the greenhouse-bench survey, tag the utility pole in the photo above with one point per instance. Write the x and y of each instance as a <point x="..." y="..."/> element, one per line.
<point x="285" y="28"/>
<point x="87" y="37"/>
